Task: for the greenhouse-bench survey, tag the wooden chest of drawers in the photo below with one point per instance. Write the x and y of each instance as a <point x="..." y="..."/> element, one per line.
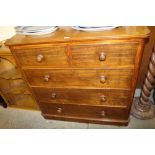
<point x="82" y="76"/>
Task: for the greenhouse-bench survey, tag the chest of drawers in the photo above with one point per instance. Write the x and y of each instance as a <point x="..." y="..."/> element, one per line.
<point x="82" y="76"/>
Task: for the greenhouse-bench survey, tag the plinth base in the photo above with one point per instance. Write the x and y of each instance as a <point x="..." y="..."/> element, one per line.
<point x="137" y="111"/>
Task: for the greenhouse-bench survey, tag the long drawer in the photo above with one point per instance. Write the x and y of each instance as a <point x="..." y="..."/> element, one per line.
<point x="84" y="111"/>
<point x="97" y="97"/>
<point x="99" y="55"/>
<point x="100" y="78"/>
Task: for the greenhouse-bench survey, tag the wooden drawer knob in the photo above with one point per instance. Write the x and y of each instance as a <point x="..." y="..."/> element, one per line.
<point x="40" y="57"/>
<point x="102" y="79"/>
<point x="103" y="98"/>
<point x="53" y="96"/>
<point x="47" y="77"/>
<point x="102" y="56"/>
<point x="103" y="113"/>
<point x="59" y="110"/>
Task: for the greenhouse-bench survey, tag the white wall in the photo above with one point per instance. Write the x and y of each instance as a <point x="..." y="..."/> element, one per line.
<point x="6" y="32"/>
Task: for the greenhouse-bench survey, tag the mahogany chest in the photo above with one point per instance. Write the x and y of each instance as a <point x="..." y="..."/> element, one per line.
<point x="82" y="76"/>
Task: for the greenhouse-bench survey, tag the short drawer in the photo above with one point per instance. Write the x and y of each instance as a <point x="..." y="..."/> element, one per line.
<point x="112" y="78"/>
<point x="98" y="97"/>
<point x="42" y="55"/>
<point x="84" y="111"/>
<point x="104" y="55"/>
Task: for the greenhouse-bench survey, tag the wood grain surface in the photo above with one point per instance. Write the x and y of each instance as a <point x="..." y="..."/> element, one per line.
<point x="78" y="55"/>
<point x="75" y="78"/>
<point x="82" y="76"/>
<point x="98" y="97"/>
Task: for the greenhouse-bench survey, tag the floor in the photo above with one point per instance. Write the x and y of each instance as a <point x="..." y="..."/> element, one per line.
<point x="26" y="119"/>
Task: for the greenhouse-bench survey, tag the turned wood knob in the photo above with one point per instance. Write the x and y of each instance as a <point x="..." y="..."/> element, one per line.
<point x="59" y="110"/>
<point x="103" y="113"/>
<point x="40" y="57"/>
<point x="102" y="79"/>
<point x="53" y="96"/>
<point x="103" y="98"/>
<point x="47" y="77"/>
<point x="102" y="56"/>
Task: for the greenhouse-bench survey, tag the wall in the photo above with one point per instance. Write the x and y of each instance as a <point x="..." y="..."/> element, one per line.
<point x="6" y="32"/>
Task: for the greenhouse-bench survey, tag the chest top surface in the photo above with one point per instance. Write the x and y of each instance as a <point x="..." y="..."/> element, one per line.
<point x="67" y="34"/>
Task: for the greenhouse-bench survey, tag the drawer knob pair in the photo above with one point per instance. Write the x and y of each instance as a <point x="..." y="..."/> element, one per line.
<point x="102" y="56"/>
<point x="40" y="57"/>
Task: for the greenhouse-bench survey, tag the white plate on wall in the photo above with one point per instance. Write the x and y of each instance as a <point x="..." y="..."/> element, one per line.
<point x="89" y="28"/>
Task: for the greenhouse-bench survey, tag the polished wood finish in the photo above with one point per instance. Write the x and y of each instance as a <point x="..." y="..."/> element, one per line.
<point x="54" y="56"/>
<point x="104" y="54"/>
<point x="82" y="76"/>
<point x="75" y="78"/>
<point x="143" y="107"/>
<point x="93" y="113"/>
<point x="83" y="96"/>
<point x="13" y="88"/>
<point x="118" y="122"/>
<point x="117" y="54"/>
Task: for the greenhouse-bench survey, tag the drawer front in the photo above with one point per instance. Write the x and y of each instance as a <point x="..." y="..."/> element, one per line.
<point x="84" y="111"/>
<point x="55" y="56"/>
<point x="83" y="96"/>
<point x="113" y="78"/>
<point x="82" y="56"/>
<point x="106" y="55"/>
